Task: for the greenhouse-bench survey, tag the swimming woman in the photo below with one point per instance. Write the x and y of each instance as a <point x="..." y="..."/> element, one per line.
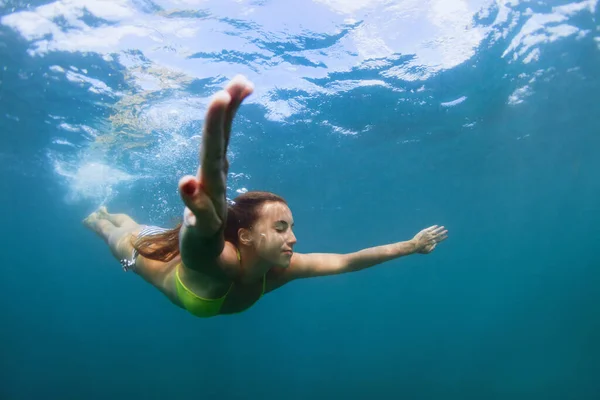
<point x="224" y="257"/>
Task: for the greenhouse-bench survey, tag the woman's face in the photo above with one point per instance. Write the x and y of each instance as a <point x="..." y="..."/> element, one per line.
<point x="273" y="234"/>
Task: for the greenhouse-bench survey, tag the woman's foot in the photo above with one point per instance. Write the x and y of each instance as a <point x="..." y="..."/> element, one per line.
<point x="102" y="212"/>
<point x="92" y="220"/>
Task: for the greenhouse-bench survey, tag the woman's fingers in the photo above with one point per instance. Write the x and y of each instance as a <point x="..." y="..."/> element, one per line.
<point x="212" y="159"/>
<point x="439" y="233"/>
<point x="200" y="209"/>
<point x="436" y="234"/>
<point x="238" y="88"/>
<point x="188" y="187"/>
<point x="437" y="229"/>
<point x="212" y="134"/>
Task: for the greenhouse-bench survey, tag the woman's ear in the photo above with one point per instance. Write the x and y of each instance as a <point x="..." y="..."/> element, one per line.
<point x="245" y="236"/>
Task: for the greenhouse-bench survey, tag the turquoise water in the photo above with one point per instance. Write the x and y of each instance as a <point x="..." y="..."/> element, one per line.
<point x="374" y="119"/>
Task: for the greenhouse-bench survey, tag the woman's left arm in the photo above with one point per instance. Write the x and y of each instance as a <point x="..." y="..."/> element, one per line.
<point x="322" y="264"/>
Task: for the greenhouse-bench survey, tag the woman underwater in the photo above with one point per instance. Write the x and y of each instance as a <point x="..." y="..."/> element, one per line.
<point x="223" y="258"/>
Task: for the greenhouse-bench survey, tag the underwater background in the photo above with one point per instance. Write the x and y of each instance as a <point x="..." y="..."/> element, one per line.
<point x="374" y="119"/>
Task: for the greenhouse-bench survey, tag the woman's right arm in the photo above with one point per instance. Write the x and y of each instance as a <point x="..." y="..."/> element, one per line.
<point x="204" y="195"/>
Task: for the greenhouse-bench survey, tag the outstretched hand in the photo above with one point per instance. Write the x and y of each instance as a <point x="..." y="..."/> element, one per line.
<point x="426" y="240"/>
<point x="204" y="195"/>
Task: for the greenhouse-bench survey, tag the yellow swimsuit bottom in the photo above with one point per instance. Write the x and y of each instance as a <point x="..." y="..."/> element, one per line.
<point x="199" y="306"/>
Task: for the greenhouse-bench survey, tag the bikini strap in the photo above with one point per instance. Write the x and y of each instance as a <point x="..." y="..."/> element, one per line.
<point x="239" y="257"/>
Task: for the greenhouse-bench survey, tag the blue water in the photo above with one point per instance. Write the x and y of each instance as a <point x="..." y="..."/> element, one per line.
<point x="374" y="119"/>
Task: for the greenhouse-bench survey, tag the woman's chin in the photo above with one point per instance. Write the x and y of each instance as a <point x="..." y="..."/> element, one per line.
<point x="285" y="261"/>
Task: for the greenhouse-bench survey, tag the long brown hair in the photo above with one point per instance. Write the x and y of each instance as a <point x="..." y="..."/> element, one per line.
<point x="242" y="213"/>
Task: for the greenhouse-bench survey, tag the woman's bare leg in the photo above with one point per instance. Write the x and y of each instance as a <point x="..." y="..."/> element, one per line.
<point x="103" y="227"/>
<point x="118" y="220"/>
<point x="118" y="238"/>
<point x="114" y="229"/>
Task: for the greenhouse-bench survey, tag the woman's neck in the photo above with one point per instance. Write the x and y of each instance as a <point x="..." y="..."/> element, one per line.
<point x="252" y="267"/>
